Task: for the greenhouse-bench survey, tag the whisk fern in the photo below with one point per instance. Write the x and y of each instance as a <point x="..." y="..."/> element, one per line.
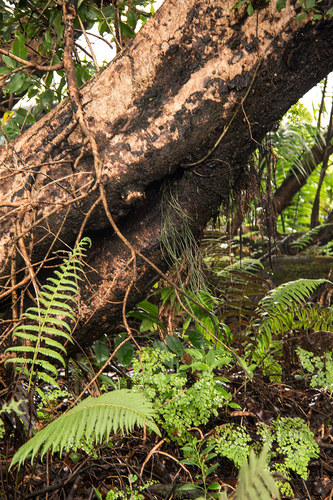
<point x="50" y="320"/>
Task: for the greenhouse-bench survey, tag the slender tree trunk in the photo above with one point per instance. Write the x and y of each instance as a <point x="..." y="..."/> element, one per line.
<point x="175" y="117"/>
<point x="316" y="203"/>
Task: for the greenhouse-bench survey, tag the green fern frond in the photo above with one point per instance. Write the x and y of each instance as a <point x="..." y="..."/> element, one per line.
<point x="255" y="482"/>
<point x="283" y="309"/>
<point x="51" y="318"/>
<point x="293" y="291"/>
<point x="307" y="238"/>
<point x="245" y="265"/>
<point x="96" y="417"/>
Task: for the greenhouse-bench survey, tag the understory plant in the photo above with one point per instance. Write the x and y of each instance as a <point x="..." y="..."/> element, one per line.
<point x="289" y="442"/>
<point x="184" y="395"/>
<point x="200" y="454"/>
<point x="96" y="417"/>
<point x="92" y="418"/>
<point x="49" y="322"/>
<point x="255" y="481"/>
<point x="319" y="369"/>
<point x="283" y="309"/>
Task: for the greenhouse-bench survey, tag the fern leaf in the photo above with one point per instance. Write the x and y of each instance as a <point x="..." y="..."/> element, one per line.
<point x="42" y="350"/>
<point x="55" y="303"/>
<point x="55" y="294"/>
<point x="293" y="291"/>
<point x="19" y="331"/>
<point x="306" y="239"/>
<point x="92" y="417"/>
<point x="48" y="379"/>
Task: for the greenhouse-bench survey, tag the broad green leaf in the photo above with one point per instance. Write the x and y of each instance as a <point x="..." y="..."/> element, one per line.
<point x="107" y="381"/>
<point x="301" y="16"/>
<point x="125" y="353"/>
<point x="188" y="461"/>
<point x="75" y="457"/>
<point x="280" y="4"/>
<point x="189" y="487"/>
<point x="101" y="351"/>
<point x="309" y="4"/>
<point x="15" y="83"/>
<point x="158" y="344"/>
<point x="174" y="345"/>
<point x="9" y="62"/>
<point x="215" y="485"/>
<point x="48" y="37"/>
<point x="149" y="308"/>
<point x="126" y="30"/>
<point x="196" y="339"/>
<point x="109" y="11"/>
<point x="131" y="19"/>
<point x="210" y="358"/>
<point x="212" y="469"/>
<point x="250" y="9"/>
<point x="90" y="12"/>
<point x="238" y="4"/>
<point x="19" y="49"/>
<point x="58" y="25"/>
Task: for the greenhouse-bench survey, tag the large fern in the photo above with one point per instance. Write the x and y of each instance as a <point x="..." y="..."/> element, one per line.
<point x="283" y="309"/>
<point x="50" y="319"/>
<point x="293" y="291"/>
<point x="306" y="239"/>
<point x="93" y="417"/>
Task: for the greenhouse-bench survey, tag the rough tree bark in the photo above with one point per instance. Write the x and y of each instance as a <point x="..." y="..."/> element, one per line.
<point x="196" y="74"/>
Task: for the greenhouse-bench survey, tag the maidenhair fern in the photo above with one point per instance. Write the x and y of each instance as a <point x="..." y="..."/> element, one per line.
<point x="93" y="417"/>
<point x="50" y="319"/>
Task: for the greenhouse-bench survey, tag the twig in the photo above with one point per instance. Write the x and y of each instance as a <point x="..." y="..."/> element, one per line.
<point x="69" y="10"/>
<point x="89" y="44"/>
<point x="152" y="451"/>
<point x="28" y="64"/>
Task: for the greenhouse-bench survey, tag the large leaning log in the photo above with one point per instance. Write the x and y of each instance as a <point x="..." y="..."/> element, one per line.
<point x="200" y="84"/>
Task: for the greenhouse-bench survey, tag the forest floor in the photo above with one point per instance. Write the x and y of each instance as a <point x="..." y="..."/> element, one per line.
<point x="128" y="462"/>
<point x="147" y="457"/>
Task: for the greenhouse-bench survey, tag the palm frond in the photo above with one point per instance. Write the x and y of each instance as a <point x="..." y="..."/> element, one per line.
<point x="96" y="417"/>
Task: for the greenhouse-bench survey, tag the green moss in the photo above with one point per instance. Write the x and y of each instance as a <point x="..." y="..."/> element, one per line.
<point x="287" y="268"/>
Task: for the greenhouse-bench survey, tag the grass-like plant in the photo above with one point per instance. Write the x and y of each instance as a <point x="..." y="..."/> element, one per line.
<point x="49" y="320"/>
<point x="255" y="482"/>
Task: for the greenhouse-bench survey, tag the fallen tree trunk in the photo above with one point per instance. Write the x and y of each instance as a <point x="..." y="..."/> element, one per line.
<point x="175" y="117"/>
